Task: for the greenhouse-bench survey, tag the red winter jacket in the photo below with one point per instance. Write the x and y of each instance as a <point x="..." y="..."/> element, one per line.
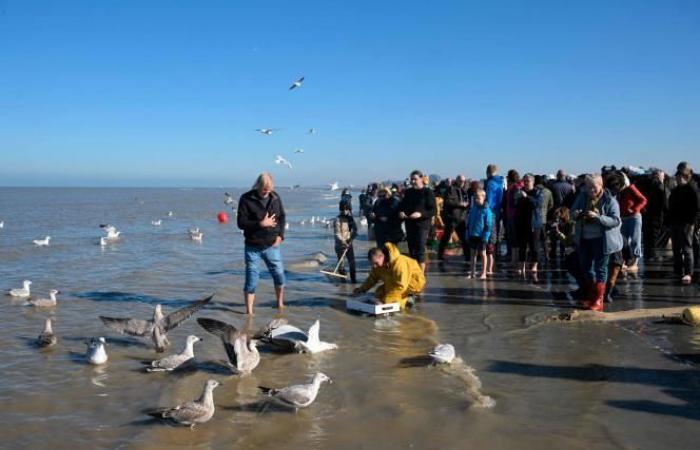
<point x="631" y="201"/>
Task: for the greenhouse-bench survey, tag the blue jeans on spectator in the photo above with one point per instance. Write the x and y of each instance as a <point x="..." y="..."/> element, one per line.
<point x="272" y="256"/>
<point x="631" y="230"/>
<point x="594" y="263"/>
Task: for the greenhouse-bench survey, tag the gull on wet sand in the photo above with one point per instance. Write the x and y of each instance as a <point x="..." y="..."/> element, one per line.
<point x="96" y="353"/>
<point x="44" y="302"/>
<point x="242" y="352"/>
<point x="157" y="327"/>
<point x="296" y="83"/>
<point x="299" y="395"/>
<point x="443" y="353"/>
<point x="42" y="242"/>
<point x="47" y="338"/>
<point x="24" y="291"/>
<point x="172" y="362"/>
<point x="191" y="413"/>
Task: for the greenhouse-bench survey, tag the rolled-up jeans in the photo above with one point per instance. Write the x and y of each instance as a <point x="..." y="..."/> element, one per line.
<point x="593" y="260"/>
<point x="272" y="256"/>
<point x="632" y="234"/>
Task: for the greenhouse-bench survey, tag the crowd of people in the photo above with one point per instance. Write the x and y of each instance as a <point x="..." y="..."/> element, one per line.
<point x="598" y="225"/>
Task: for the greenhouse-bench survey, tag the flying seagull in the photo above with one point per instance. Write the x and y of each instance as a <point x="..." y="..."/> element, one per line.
<point x="241" y="349"/>
<point x="299" y="395"/>
<point x="297" y="84"/>
<point x="111" y="231"/>
<point x="191" y="413"/>
<point x="312" y="130"/>
<point x="281" y="161"/>
<point x="157" y="327"/>
<point x="228" y="200"/>
<point x="299" y="150"/>
<point x="266" y="131"/>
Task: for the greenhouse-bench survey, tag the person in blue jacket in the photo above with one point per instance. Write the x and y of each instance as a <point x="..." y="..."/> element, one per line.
<point x="494" y="186"/>
<point x="479" y="227"/>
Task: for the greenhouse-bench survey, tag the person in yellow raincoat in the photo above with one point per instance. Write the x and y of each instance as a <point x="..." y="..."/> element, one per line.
<point x="401" y="275"/>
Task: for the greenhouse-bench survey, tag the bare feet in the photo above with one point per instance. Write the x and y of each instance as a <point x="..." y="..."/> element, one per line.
<point x="686" y="279"/>
<point x="483" y="276"/>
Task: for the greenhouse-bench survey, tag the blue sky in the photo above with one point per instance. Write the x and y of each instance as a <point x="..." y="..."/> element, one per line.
<point x="169" y="93"/>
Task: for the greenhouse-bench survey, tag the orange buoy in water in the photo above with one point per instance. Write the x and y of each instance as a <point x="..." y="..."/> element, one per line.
<point x="222" y="217"/>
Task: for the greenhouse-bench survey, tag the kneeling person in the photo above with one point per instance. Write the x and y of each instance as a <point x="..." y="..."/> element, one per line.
<point x="401" y="275"/>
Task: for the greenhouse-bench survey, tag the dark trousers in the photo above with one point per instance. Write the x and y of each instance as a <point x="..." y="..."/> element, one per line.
<point x="682" y="241"/>
<point x="417" y="238"/>
<point x="349" y="257"/>
<point x="652" y="230"/>
<point x="529" y="244"/>
<point x="450" y="227"/>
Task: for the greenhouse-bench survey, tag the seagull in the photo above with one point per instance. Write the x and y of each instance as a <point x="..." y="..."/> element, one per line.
<point x="103" y="241"/>
<point x="312" y="220"/>
<point x="299" y="395"/>
<point x="443" y="353"/>
<point x="241" y="349"/>
<point x="312" y="130"/>
<point x="2" y="224"/>
<point x="157" y="327"/>
<point x="44" y="302"/>
<point x="42" y="242"/>
<point x="284" y="337"/>
<point x="286" y="226"/>
<point x="111" y="231"/>
<point x="170" y="213"/>
<point x="197" y="236"/>
<point x="313" y="344"/>
<point x="281" y="161"/>
<point x="266" y="131"/>
<point x="191" y="413"/>
<point x="172" y="362"/>
<point x="156" y="223"/>
<point x="23" y="291"/>
<point x="334" y="186"/>
<point x="299" y="150"/>
<point x="228" y="200"/>
<point x="297" y="84"/>
<point x="47" y="338"/>
<point x="96" y="353"/>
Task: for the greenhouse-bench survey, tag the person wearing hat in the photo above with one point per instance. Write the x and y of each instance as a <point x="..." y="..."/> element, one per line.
<point x="345" y="231"/>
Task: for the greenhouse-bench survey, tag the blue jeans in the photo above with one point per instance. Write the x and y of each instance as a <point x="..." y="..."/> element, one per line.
<point x="594" y="263"/>
<point x="272" y="256"/>
<point x="632" y="235"/>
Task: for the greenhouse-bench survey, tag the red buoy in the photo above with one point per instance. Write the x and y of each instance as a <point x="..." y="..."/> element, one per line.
<point x="222" y="217"/>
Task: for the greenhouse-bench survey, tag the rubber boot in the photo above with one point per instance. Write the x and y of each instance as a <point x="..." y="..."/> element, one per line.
<point x="587" y="298"/>
<point x="597" y="304"/>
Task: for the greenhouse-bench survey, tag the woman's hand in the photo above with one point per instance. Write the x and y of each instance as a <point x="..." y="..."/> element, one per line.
<point x="278" y="241"/>
<point x="592" y="215"/>
<point x="416" y="215"/>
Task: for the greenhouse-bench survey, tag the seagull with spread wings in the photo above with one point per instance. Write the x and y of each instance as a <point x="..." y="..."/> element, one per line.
<point x="241" y="349"/>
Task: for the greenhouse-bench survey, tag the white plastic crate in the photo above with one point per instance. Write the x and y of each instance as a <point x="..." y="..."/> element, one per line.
<point x="369" y="308"/>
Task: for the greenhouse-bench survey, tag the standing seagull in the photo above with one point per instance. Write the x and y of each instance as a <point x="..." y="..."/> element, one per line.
<point x="172" y="362"/>
<point x="191" y="413"/>
<point x="47" y="338"/>
<point x="158" y="326"/>
<point x="96" y="353"/>
<point x="44" y="302"/>
<point x="299" y="395"/>
<point x="42" y="242"/>
<point x="24" y="291"/>
<point x="266" y="131"/>
<point x="281" y="161"/>
<point x="156" y="223"/>
<point x="297" y="84"/>
<point x="241" y="350"/>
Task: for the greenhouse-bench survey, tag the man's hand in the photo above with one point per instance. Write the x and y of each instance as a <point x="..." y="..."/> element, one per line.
<point x="415" y="215"/>
<point x="464" y="204"/>
<point x="268" y="221"/>
<point x="278" y="241"/>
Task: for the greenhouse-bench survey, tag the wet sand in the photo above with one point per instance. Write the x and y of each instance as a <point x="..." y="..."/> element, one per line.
<point x="624" y="385"/>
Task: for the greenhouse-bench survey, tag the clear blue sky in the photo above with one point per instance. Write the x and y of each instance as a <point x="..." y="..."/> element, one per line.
<point x="169" y="93"/>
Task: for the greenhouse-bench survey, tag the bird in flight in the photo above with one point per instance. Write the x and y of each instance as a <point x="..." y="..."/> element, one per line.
<point x="312" y="130"/>
<point x="297" y="84"/>
<point x="299" y="150"/>
<point x="281" y="161"/>
<point x="266" y="131"/>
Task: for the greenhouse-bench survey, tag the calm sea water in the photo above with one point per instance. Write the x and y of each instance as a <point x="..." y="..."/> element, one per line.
<point x="633" y="385"/>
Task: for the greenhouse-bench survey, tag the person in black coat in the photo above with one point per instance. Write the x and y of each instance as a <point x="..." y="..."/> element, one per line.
<point x="417" y="210"/>
<point x="385" y="213"/>
<point x="454" y="212"/>
<point x="262" y="218"/>
<point x="683" y="212"/>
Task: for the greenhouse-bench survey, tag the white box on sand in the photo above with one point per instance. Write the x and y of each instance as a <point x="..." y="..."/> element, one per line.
<point x="370" y="308"/>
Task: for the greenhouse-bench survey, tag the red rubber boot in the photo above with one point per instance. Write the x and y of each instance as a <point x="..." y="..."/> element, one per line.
<point x="597" y="304"/>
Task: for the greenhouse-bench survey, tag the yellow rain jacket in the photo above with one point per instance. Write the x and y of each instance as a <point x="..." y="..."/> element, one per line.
<point x="402" y="277"/>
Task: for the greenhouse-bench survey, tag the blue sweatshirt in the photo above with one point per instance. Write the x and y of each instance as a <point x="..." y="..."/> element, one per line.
<point x="479" y="222"/>
<point x="494" y="193"/>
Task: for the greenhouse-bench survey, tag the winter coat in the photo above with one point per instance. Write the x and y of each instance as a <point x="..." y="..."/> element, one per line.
<point x="494" y="194"/>
<point x="609" y="220"/>
<point x="401" y="275"/>
<point x="480" y="222"/>
<point x="252" y="210"/>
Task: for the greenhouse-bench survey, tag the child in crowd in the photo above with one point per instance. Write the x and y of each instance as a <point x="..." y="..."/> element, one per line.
<point x="345" y="231"/>
<point x="479" y="225"/>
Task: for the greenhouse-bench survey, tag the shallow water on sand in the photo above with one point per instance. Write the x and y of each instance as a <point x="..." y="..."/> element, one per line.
<point x="631" y="385"/>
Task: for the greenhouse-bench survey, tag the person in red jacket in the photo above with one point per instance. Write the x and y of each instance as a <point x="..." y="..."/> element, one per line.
<point x="631" y="204"/>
